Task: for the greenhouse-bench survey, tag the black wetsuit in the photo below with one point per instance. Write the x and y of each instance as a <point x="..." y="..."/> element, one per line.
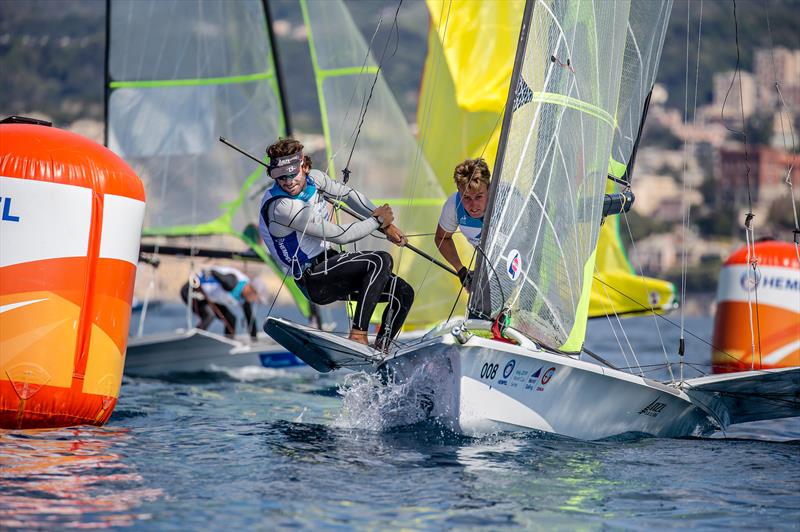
<point x="365" y="277"/>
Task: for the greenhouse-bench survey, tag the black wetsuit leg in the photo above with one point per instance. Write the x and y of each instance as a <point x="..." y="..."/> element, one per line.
<point x="199" y="308"/>
<point x="250" y="319"/>
<point x="363" y="276"/>
<point x="230" y="319"/>
<point x="400" y="296"/>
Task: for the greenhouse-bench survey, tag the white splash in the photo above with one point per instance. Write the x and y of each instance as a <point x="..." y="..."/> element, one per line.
<point x="370" y="404"/>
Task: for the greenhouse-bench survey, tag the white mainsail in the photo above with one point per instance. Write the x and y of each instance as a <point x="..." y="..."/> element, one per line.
<point x="550" y="177"/>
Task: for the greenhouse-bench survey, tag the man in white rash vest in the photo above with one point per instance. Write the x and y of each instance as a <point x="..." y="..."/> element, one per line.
<point x="214" y="291"/>
<point x="296" y="226"/>
<point x="464" y="211"/>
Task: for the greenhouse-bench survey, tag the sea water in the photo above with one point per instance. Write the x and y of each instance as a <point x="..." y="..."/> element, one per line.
<point x="260" y="449"/>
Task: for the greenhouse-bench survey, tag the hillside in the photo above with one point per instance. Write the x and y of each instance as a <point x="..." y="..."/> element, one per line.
<point x="52" y="52"/>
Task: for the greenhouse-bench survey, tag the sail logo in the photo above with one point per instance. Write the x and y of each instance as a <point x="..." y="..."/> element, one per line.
<point x="548" y="375"/>
<point x="7" y="215"/>
<point x="514" y="264"/>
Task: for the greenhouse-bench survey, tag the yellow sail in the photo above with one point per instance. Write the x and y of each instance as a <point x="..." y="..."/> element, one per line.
<point x="467" y="73"/>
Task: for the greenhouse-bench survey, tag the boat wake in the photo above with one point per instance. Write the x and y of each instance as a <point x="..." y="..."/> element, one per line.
<point x="254" y="373"/>
<point x="373" y="401"/>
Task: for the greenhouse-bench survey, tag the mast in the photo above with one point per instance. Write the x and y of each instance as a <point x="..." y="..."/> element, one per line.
<point x="486" y="306"/>
<point x="629" y="168"/>
<point x="276" y="63"/>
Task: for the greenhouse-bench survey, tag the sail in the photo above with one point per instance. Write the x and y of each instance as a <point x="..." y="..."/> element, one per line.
<point x="616" y="287"/>
<point x="466" y="121"/>
<point x="460" y="106"/>
<point x="387" y="164"/>
<point x="550" y="176"/>
<point x="181" y="74"/>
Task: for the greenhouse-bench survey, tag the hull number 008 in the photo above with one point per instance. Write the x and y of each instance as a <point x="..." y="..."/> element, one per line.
<point x="489" y="371"/>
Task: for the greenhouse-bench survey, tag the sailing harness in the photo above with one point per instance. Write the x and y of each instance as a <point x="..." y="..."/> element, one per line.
<point x="294" y="252"/>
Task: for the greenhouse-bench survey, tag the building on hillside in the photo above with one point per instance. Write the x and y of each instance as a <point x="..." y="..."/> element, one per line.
<point x="662" y="252"/>
<point x="727" y="93"/>
<point x="781" y="65"/>
<point x="767" y="169"/>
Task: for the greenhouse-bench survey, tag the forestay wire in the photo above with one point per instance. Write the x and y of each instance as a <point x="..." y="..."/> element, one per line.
<point x="365" y="107"/>
<point x="752" y="260"/>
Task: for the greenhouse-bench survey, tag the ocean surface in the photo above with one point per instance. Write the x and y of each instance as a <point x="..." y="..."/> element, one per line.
<point x="261" y="449"/>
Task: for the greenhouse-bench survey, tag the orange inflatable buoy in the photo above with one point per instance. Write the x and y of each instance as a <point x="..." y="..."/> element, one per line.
<point x="71" y="216"/>
<point x="773" y="293"/>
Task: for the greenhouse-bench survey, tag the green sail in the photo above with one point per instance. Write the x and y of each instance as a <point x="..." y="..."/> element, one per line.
<point x="180" y="75"/>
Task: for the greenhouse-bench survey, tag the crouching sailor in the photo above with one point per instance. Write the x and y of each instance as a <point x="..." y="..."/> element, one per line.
<point x="297" y="228"/>
<point x="217" y="289"/>
<point x="464" y="211"/>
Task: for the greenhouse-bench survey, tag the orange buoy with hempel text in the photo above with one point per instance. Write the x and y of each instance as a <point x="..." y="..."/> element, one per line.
<point x="757" y="325"/>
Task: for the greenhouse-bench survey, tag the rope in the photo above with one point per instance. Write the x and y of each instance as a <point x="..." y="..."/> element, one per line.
<point x="655" y="315"/>
<point x="614" y="330"/>
<point x="365" y="107"/>
<point x="749" y="231"/>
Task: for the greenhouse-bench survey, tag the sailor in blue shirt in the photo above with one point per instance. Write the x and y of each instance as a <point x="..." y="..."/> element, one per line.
<point x="298" y="228"/>
<point x="464" y="211"/>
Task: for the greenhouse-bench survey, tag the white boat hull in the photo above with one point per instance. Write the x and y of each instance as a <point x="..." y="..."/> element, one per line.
<point x="196" y="350"/>
<point x="487" y="386"/>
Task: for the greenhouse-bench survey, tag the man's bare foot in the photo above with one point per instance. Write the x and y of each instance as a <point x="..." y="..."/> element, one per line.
<point x="359" y="336"/>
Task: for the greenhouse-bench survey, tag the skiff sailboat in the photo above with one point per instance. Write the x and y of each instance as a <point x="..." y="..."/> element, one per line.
<point x="576" y="79"/>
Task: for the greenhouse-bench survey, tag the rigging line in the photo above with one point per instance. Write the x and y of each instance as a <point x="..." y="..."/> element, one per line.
<point x="458" y="295"/>
<point x="684" y="220"/>
<point x="346" y="170"/>
<point x="752" y="259"/>
<point x="785" y="109"/>
<point x="619" y="343"/>
<point x="644" y="285"/>
<point x="341" y="141"/>
<point x="655" y="315"/>
<point x="415" y="169"/>
<point x="624" y="335"/>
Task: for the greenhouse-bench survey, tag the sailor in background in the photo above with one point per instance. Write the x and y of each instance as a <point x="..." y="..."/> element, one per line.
<point x="464" y="211"/>
<point x="214" y="291"/>
<point x="297" y="229"/>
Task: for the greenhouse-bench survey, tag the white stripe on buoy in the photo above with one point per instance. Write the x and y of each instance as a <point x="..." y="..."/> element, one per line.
<point x="778" y="355"/>
<point x="12" y="306"/>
